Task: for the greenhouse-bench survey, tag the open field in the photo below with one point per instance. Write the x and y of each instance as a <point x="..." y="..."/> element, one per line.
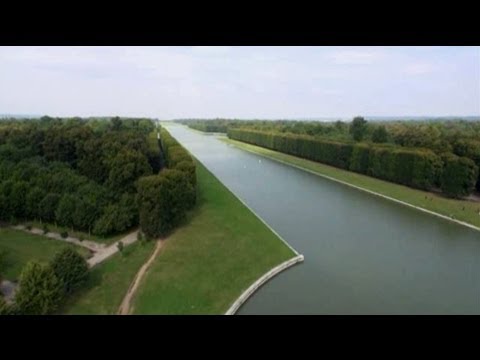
<point x="21" y="247"/>
<point x="209" y="261"/>
<point x="462" y="210"/>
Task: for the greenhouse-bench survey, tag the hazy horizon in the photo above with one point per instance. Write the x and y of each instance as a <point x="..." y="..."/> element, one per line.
<point x="241" y="82"/>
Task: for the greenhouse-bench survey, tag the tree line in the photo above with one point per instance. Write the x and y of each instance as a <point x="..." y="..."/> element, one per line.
<point x="165" y="198"/>
<point x="77" y="173"/>
<point x="460" y="137"/>
<point x="415" y="167"/>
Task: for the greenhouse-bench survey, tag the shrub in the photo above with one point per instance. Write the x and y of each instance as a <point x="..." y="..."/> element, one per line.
<point x="39" y="291"/>
<point x="70" y="268"/>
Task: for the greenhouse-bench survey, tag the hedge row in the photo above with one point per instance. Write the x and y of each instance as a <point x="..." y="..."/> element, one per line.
<point x="209" y="128"/>
<point x="165" y="198"/>
<point x="418" y="168"/>
<point x="177" y="157"/>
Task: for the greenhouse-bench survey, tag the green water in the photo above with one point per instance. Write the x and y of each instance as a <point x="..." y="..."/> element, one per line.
<point x="363" y="254"/>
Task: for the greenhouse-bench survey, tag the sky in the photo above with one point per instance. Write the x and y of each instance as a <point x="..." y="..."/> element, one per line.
<point x="240" y="82"/>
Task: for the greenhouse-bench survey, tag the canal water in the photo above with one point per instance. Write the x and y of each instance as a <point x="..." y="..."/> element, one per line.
<point x="363" y="254"/>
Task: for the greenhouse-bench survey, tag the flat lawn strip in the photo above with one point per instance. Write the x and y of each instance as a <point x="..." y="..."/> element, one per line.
<point x="207" y="263"/>
<point x="108" y="240"/>
<point x="109" y="282"/>
<point x="463" y="210"/>
<point x="21" y="247"/>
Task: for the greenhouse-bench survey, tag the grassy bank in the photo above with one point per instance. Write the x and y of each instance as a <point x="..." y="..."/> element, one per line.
<point x="21" y="247"/>
<point x="109" y="281"/>
<point x="463" y="210"/>
<point x="209" y="261"/>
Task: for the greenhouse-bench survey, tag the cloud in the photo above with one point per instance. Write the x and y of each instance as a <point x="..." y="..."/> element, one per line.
<point x="204" y="81"/>
<point x="356" y="57"/>
<point x="211" y="50"/>
<point x="419" y="68"/>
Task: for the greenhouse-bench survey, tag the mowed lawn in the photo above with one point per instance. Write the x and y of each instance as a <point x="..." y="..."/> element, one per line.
<point x="463" y="210"/>
<point x="21" y="247"/>
<point x="210" y="260"/>
<point x="109" y="282"/>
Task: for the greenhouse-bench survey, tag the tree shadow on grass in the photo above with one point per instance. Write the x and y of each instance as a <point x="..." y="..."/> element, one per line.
<point x="94" y="280"/>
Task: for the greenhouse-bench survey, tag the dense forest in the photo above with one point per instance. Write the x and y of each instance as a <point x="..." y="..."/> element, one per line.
<point x="424" y="154"/>
<point x="79" y="173"/>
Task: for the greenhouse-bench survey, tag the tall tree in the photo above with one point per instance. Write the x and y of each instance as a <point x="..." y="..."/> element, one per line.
<point x="358" y="128"/>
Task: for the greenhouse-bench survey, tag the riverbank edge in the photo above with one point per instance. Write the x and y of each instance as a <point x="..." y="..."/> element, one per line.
<point x="262" y="280"/>
<point x="445" y="217"/>
<point x="238" y="198"/>
<point x="259" y="218"/>
<point x="269" y="274"/>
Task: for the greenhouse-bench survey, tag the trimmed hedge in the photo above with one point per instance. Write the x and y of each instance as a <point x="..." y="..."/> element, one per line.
<point x="418" y="168"/>
<point x="177" y="157"/>
<point x="165" y="198"/>
<point x="209" y="127"/>
<point x="330" y="152"/>
<point x="459" y="175"/>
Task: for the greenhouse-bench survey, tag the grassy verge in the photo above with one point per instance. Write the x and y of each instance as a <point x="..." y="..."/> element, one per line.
<point x="209" y="261"/>
<point x="79" y="234"/>
<point x="109" y="281"/>
<point x="463" y="210"/>
<point x="21" y="247"/>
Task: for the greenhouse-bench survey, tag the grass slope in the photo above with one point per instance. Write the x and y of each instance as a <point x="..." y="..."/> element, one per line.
<point x="21" y="247"/>
<point x="463" y="210"/>
<point x="209" y="261"/>
<point x="109" y="282"/>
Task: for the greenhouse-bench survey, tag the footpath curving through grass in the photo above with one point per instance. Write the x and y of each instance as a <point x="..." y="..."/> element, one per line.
<point x="462" y="210"/>
<point x="207" y="263"/>
<point x="109" y="282"/>
<point x="21" y="247"/>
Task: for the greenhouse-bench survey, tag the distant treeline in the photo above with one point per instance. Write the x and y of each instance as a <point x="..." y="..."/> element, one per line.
<point x="418" y="168"/>
<point x="457" y="137"/>
<point x="214" y="125"/>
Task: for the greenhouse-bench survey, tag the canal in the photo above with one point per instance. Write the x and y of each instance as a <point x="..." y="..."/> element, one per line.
<point x="363" y="254"/>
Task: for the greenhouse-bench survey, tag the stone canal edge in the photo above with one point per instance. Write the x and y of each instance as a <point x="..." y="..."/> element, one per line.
<point x="262" y="280"/>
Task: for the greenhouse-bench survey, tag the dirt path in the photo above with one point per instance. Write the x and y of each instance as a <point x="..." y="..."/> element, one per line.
<point x="106" y="252"/>
<point x="125" y="306"/>
<point x="91" y="245"/>
<point x="100" y="251"/>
